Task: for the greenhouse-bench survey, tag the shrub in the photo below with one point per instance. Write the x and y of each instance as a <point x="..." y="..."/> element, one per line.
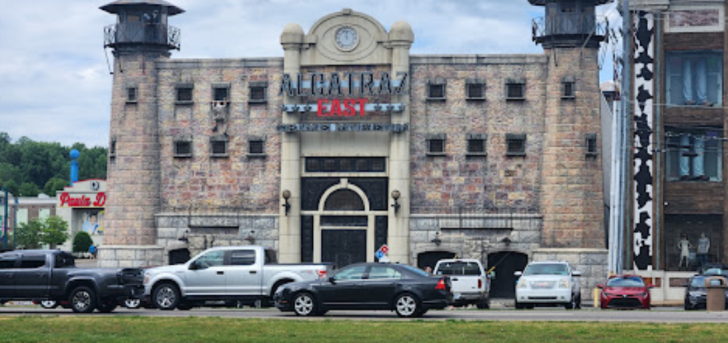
<point x="82" y="242"/>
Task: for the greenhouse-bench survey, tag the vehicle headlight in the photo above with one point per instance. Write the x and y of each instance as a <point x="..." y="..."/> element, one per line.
<point x="522" y="284"/>
<point x="564" y="283"/>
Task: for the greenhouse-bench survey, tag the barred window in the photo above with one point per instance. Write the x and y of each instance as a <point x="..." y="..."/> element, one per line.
<point x="182" y="149"/>
<point x="184" y="94"/>
<point x="515" y="91"/>
<point x="436" y="146"/>
<point x="258" y="92"/>
<point x="256" y="147"/>
<point x="568" y="90"/>
<point x="516" y="144"/>
<point x="220" y="94"/>
<point x="219" y="148"/>
<point x="475" y="91"/>
<point x="131" y="94"/>
<point x="591" y="144"/>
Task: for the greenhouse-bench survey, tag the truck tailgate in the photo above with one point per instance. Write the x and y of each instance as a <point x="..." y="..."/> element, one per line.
<point x="466" y="283"/>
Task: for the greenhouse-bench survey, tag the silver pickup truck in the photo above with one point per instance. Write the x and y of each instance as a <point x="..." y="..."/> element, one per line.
<point x="243" y="273"/>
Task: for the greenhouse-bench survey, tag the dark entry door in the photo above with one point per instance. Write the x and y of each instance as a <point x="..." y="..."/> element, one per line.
<point x="430" y="258"/>
<point x="506" y="263"/>
<point x="343" y="247"/>
<point x="179" y="256"/>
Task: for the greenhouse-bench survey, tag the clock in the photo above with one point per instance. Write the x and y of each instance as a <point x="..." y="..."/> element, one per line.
<point x="346" y="38"/>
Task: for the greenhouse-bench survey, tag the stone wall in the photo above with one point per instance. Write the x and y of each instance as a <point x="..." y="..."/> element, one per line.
<point x="475" y="235"/>
<point x="592" y="263"/>
<point x="237" y="182"/>
<point x="441" y="183"/>
<point x="131" y="256"/>
<point x="207" y="231"/>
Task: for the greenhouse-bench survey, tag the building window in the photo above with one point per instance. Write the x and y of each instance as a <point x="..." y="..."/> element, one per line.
<point x="131" y="95"/>
<point x="436" y="89"/>
<point x="694" y="154"/>
<point x="258" y="92"/>
<point x="184" y="94"/>
<point x="591" y="144"/>
<point x="183" y="148"/>
<point x="475" y="90"/>
<point x="220" y="94"/>
<point x="515" y="144"/>
<point x="568" y="90"/>
<point x="436" y="145"/>
<point x="683" y="235"/>
<point x="694" y="78"/>
<point x="218" y="146"/>
<point x="345" y="164"/>
<point x="515" y="90"/>
<point x="476" y="144"/>
<point x="256" y="147"/>
<point x="112" y="147"/>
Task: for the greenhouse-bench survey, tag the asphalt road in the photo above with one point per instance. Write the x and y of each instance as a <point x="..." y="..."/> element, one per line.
<point x="656" y="315"/>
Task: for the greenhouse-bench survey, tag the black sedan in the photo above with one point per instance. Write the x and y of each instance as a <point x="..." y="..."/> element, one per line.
<point x="695" y="293"/>
<point x="368" y="286"/>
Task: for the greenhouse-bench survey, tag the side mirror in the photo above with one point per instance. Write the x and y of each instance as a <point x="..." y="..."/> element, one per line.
<point x="332" y="280"/>
<point x="195" y="266"/>
<point x="517" y="273"/>
<point x="600" y="286"/>
<point x="576" y="273"/>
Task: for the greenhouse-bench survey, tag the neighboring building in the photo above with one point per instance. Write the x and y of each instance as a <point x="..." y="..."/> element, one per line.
<point x="28" y="208"/>
<point x="82" y="207"/>
<point x="678" y="118"/>
<point x="348" y="142"/>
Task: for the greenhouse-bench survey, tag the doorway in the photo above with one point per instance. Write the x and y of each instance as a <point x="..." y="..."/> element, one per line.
<point x="179" y="256"/>
<point x="343" y="247"/>
<point x="430" y="258"/>
<point x="506" y="263"/>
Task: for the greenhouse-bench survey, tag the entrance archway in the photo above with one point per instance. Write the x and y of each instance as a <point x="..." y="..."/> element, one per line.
<point x="506" y="263"/>
<point x="430" y="258"/>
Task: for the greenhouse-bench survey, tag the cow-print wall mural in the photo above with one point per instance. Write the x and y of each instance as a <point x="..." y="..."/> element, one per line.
<point x="644" y="42"/>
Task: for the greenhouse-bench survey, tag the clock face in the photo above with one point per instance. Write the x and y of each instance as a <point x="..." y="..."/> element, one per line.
<point x="346" y="38"/>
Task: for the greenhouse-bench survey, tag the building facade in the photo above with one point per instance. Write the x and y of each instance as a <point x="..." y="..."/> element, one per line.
<point x="677" y="202"/>
<point x="349" y="142"/>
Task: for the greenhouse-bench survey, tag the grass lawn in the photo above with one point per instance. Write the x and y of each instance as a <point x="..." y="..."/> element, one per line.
<point x="194" y="329"/>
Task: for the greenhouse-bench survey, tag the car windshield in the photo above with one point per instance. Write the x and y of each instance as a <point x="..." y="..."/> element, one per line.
<point x="713" y="271"/>
<point x="698" y="282"/>
<point x="629" y="281"/>
<point x="546" y="269"/>
<point x="458" y="268"/>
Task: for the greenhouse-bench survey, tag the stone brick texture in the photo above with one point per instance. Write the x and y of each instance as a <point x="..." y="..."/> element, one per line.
<point x="441" y="183"/>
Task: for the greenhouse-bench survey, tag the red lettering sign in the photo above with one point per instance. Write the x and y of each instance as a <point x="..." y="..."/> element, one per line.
<point x="335" y="108"/>
<point x="83" y="201"/>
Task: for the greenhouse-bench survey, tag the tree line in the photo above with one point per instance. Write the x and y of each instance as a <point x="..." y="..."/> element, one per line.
<point x="28" y="167"/>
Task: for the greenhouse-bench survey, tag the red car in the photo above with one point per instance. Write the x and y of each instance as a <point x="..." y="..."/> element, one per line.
<point x="625" y="291"/>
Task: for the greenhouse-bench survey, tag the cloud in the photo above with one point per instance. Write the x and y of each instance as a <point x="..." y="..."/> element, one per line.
<point x="56" y="85"/>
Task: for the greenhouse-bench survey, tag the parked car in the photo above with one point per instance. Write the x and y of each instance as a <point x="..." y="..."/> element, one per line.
<point x="695" y="293"/>
<point x="714" y="269"/>
<point x="245" y="273"/>
<point x="50" y="277"/>
<point x="408" y="291"/>
<point x="548" y="284"/>
<point x="470" y="284"/>
<point x="624" y="291"/>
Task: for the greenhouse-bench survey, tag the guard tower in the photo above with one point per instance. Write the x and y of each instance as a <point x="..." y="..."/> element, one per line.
<point x="142" y="24"/>
<point x="568" y="23"/>
<point x="572" y="199"/>
<point x="140" y="38"/>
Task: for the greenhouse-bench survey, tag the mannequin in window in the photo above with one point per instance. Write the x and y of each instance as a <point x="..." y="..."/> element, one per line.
<point x="695" y="70"/>
<point x="698" y="172"/>
<point x="684" y="247"/>
<point x="703" y="249"/>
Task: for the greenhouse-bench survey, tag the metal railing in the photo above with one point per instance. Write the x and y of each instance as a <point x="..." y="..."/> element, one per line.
<point x="568" y="25"/>
<point x="142" y="33"/>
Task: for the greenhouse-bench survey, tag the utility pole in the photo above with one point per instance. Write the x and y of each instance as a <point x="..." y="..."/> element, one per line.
<point x="15" y="221"/>
<point x="5" y="219"/>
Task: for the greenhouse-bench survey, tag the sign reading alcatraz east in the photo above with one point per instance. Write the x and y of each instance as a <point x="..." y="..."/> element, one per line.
<point x="364" y="83"/>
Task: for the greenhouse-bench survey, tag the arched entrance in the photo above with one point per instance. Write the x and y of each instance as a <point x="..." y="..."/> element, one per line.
<point x="506" y="263"/>
<point x="343" y="237"/>
<point x="430" y="258"/>
<point x="179" y="256"/>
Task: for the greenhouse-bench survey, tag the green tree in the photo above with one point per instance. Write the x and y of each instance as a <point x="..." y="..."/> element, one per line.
<point x="11" y="186"/>
<point x="29" y="234"/>
<point x="82" y="242"/>
<point x="28" y="189"/>
<point x="54" y="231"/>
<point x="53" y="185"/>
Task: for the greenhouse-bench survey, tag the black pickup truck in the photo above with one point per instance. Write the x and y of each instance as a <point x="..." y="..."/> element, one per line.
<point x="40" y="275"/>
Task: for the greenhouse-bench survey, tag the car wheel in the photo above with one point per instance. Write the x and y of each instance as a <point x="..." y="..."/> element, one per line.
<point x="407" y="306"/>
<point x="132" y="303"/>
<point x="304" y="304"/>
<point x="519" y="306"/>
<point x="83" y="300"/>
<point x="166" y="297"/>
<point x="106" y="306"/>
<point x="48" y="304"/>
<point x="483" y="304"/>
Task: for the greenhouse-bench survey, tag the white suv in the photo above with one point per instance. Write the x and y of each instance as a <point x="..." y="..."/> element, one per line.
<point x="548" y="284"/>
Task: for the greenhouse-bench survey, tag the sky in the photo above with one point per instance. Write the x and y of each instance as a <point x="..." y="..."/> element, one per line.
<point x="55" y="84"/>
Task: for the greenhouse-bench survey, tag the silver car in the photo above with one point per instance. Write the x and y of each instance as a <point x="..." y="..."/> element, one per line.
<point x="548" y="284"/>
